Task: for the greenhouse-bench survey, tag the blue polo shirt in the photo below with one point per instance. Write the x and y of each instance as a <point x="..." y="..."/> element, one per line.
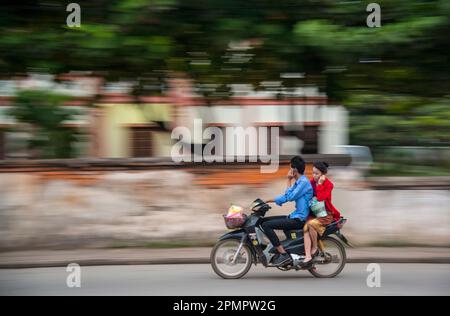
<point x="301" y="192"/>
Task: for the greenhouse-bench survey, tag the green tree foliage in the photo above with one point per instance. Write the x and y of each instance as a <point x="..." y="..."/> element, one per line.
<point x="44" y="117"/>
<point x="393" y="79"/>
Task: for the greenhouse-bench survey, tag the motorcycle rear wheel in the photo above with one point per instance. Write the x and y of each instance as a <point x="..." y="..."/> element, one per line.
<point x="331" y="261"/>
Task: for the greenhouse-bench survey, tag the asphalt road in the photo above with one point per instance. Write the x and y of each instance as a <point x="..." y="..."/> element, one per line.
<point x="199" y="279"/>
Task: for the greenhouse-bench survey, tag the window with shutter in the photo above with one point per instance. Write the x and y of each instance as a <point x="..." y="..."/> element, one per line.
<point x="2" y="145"/>
<point x="310" y="136"/>
<point x="141" y="142"/>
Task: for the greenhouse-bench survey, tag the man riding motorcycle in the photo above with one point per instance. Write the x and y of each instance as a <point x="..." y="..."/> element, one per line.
<point x="299" y="189"/>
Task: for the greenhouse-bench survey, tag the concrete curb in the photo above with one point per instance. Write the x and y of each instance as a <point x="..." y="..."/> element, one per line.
<point x="184" y="261"/>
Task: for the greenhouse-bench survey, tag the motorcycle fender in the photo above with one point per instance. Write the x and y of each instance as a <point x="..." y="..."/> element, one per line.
<point x="238" y="234"/>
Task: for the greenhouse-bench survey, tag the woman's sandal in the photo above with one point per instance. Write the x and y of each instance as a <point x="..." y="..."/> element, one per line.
<point x="316" y="253"/>
<point x="307" y="265"/>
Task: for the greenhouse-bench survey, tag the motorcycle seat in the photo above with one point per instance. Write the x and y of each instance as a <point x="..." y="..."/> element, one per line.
<point x="331" y="227"/>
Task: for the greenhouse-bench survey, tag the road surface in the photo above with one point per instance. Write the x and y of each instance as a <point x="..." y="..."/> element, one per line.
<point x="199" y="279"/>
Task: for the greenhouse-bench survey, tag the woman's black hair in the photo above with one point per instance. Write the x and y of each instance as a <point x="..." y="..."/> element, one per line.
<point x="298" y="163"/>
<point x="322" y="166"/>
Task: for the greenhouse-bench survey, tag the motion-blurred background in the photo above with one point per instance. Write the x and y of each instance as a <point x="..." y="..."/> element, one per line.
<point x="86" y="115"/>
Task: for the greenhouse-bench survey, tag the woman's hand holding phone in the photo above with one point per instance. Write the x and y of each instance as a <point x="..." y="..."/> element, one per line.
<point x="322" y="179"/>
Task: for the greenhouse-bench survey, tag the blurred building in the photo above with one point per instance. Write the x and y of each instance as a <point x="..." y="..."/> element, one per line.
<point x="117" y="124"/>
<point x="133" y="128"/>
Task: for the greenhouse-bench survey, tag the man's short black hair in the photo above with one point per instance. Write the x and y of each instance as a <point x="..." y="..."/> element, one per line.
<point x="298" y="163"/>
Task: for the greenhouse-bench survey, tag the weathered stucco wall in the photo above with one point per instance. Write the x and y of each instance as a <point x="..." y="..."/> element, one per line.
<point x="98" y="209"/>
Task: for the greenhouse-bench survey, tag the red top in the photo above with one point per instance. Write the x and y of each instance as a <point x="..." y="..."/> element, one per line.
<point x="323" y="193"/>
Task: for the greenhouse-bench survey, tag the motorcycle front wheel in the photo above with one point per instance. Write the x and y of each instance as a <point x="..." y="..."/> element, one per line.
<point x="222" y="257"/>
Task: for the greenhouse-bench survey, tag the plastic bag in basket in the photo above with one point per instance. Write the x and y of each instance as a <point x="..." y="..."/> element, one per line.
<point x="235" y="217"/>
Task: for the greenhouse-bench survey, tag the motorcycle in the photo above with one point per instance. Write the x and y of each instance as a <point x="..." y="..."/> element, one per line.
<point x="236" y="251"/>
